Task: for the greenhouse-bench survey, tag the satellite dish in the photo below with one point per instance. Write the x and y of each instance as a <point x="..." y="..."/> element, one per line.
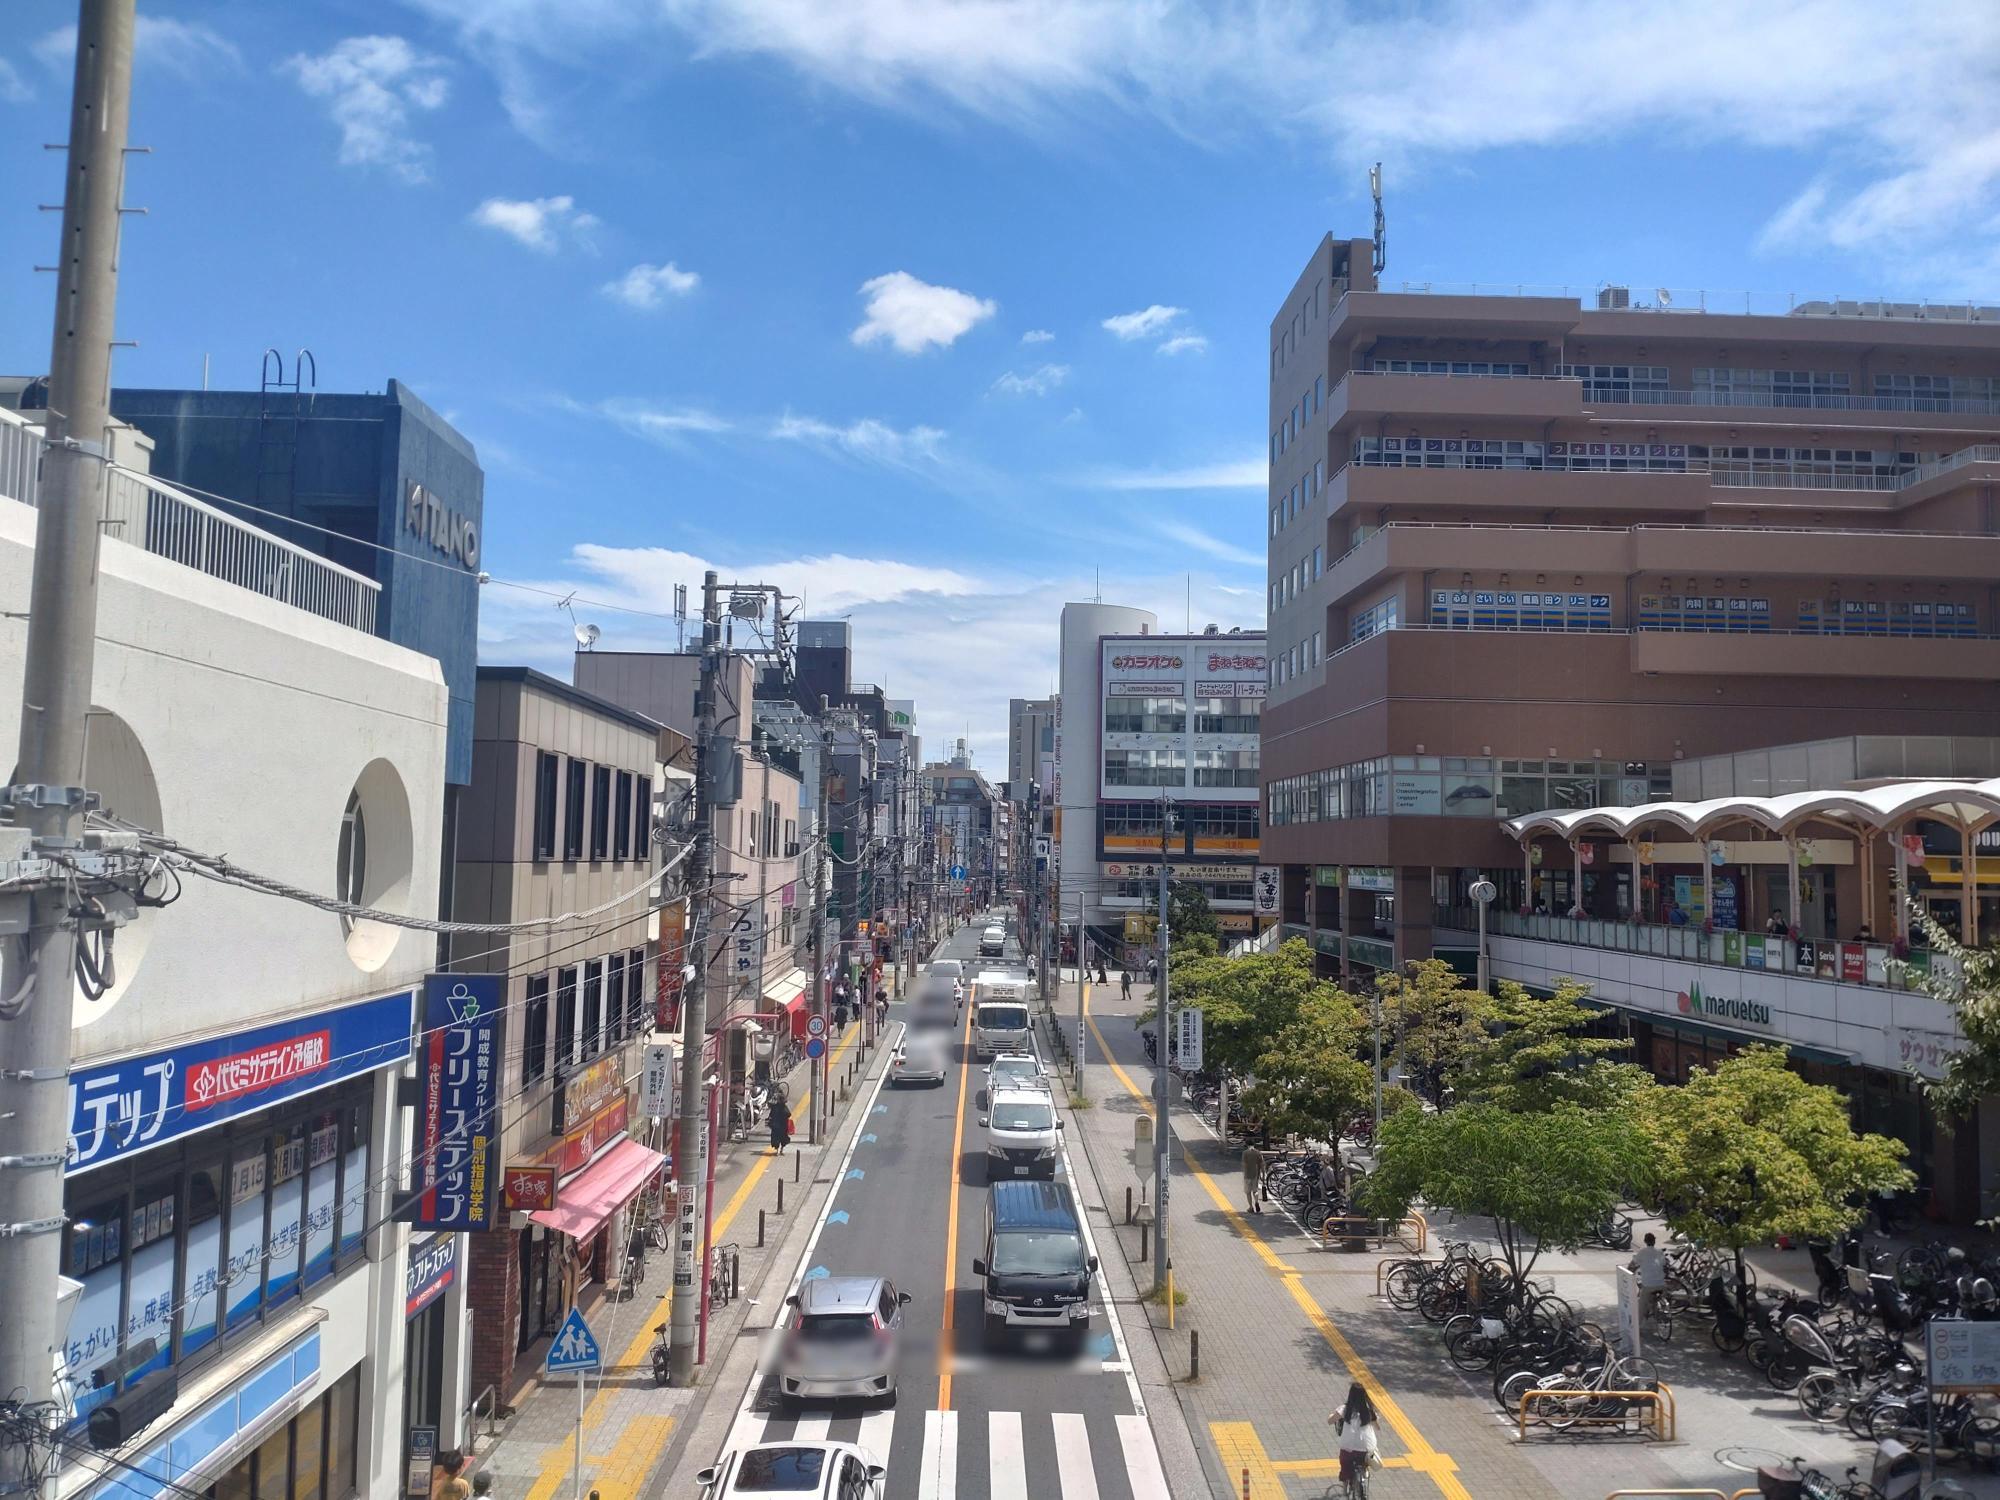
<point x="1663" y="296"/>
<point x="586" y="636"/>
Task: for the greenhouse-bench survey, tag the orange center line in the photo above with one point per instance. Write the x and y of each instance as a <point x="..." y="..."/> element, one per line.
<point x="951" y="1224"/>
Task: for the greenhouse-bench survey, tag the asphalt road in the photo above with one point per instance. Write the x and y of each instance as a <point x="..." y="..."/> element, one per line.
<point x="971" y="1422"/>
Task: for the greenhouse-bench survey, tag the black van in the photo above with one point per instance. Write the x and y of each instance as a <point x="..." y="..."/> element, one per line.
<point x="1036" y="1266"/>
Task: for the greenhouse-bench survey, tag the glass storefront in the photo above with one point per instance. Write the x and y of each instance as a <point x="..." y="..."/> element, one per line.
<point x="186" y="1247"/>
<point x="312" y="1457"/>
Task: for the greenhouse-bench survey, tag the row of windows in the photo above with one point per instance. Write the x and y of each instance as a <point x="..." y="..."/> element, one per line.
<point x="1302" y="657"/>
<point x="1292" y="582"/>
<point x="1502" y="609"/>
<point x="1288" y="338"/>
<point x="1167" y="714"/>
<point x="1215" y="890"/>
<point x="311" y="1457"/>
<point x="613" y="991"/>
<point x="1722" y="381"/>
<point x="183" y="1249"/>
<point x="1676" y="458"/>
<point x="1202" y="820"/>
<point x="1612" y="380"/>
<point x="1944" y="387"/>
<point x="1301" y="413"/>
<point x="1145" y="767"/>
<point x="1462" y="787"/>
<point x="1294" y="501"/>
<point x="1225" y="768"/>
<point x="591" y="807"/>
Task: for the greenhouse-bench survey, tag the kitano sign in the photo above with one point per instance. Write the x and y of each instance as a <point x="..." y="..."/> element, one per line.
<point x="449" y="532"/>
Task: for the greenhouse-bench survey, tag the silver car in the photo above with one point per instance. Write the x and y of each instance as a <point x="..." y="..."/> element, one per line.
<point x="841" y="1339"/>
<point x="920" y="1059"/>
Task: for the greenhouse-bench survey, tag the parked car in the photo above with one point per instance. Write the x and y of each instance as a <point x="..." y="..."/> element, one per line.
<point x="819" y="1471"/>
<point x="842" y="1338"/>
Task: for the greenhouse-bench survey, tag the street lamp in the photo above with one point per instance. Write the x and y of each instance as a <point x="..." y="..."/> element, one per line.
<point x="1483" y="891"/>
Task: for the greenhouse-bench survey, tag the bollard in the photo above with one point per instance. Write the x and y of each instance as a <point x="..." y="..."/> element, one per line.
<point x="1246" y="1484"/>
<point x="1142" y="1241"/>
<point x="760" y="1219"/>
<point x="781" y="1195"/>
<point x="1194" y="1354"/>
<point x="798" y="1162"/>
<point x="1128" y="1204"/>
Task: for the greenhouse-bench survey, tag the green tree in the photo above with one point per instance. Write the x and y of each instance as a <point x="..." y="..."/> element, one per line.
<point x="1545" y="1178"/>
<point x="1748" y="1151"/>
<point x="1973" y="993"/>
<point x="1309" y="1081"/>
<point x="1189" y="915"/>
<point x="1245" y="1001"/>
<point x="1436" y="1021"/>
<point x="1540" y="1057"/>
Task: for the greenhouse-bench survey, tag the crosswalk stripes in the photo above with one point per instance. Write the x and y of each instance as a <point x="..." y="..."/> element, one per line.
<point x="999" y="1455"/>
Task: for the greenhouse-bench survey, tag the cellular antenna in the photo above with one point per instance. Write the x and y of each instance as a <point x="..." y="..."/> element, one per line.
<point x="1381" y="230"/>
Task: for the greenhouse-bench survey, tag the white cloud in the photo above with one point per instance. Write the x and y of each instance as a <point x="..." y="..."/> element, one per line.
<point x="647" y="287"/>
<point x="1214" y="546"/>
<point x="867" y="439"/>
<point x="187" y="49"/>
<point x="913" y="314"/>
<point x="1246" y="474"/>
<point x="539" y="223"/>
<point x="1184" y="343"/>
<point x="1037" y="336"/>
<point x="14" y="89"/>
<point x="1147" y="323"/>
<point x="669" y="426"/>
<point x="1827" y="80"/>
<point x="1035" y="383"/>
<point x="371" y="84"/>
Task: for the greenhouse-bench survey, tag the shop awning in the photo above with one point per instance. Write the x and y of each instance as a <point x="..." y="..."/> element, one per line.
<point x="600" y="1190"/>
<point x="789" y="993"/>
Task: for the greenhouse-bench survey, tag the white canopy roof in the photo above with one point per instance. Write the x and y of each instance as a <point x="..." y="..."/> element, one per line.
<point x="1966" y="804"/>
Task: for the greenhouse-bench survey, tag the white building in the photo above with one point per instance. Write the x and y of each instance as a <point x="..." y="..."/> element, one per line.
<point x="235" y="1133"/>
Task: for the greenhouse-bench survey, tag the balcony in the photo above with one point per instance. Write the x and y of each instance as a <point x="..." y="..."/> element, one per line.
<point x="1845" y="1000"/>
<point x="1372" y="395"/>
<point x="1789" y="654"/>
<point x="145" y="512"/>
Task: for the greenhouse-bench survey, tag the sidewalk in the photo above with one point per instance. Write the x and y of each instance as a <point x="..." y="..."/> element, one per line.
<point x="630" y="1424"/>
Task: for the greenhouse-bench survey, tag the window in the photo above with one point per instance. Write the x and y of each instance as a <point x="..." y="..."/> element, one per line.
<point x="1319" y="391"/>
<point x="1145" y="767"/>
<point x="1225" y="768"/>
<point x="600" y="812"/>
<point x="1374" y="619"/>
<point x="590" y="1039"/>
<point x="566" y="1053"/>
<point x="573" y="811"/>
<point x="545" y="805"/>
<point x="1318" y="568"/>
<point x="288" y="1190"/>
<point x="614" y="999"/>
<point x="621" y="828"/>
<point x="351" y="863"/>
<point x="642" y="816"/>
<point x="1162" y="715"/>
<point x="1227" y="715"/>
<point x="535" y="1030"/>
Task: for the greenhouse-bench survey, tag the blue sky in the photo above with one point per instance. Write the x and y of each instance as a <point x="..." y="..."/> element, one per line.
<point x="939" y="314"/>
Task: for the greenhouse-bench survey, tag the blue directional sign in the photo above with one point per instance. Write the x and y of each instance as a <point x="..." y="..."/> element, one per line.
<point x="574" y="1349"/>
<point x="958" y="872"/>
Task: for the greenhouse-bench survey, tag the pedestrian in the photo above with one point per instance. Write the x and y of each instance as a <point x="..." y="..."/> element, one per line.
<point x="1329" y="1179"/>
<point x="1125" y="983"/>
<point x="1152" y="969"/>
<point x="1864" y="934"/>
<point x="839" y="1015"/>
<point x="1253" y="1179"/>
<point x="1777" y="926"/>
<point x="445" y="1482"/>
<point x="1360" y="1444"/>
<point x="781" y="1130"/>
<point x="881" y="1009"/>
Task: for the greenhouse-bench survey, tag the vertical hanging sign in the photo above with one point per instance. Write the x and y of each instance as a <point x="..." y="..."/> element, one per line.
<point x="456" y="1177"/>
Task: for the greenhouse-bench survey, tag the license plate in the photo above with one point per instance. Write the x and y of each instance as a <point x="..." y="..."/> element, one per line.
<point x="1020" y="1171"/>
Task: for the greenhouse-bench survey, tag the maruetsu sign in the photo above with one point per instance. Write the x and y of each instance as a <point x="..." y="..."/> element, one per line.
<point x="447" y="531"/>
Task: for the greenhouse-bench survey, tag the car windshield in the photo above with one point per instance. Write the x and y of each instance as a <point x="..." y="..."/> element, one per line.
<point x="1016" y="1067"/>
<point x="1022" y="1117"/>
<point x="780" y="1471"/>
<point x="1037" y="1252"/>
<point x="836" y="1328"/>
<point x="1004" y="1017"/>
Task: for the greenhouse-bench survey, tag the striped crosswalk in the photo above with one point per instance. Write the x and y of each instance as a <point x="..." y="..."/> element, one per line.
<point x="994" y="1455"/>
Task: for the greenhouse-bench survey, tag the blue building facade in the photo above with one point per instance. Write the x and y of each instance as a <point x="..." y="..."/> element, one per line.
<point x="377" y="482"/>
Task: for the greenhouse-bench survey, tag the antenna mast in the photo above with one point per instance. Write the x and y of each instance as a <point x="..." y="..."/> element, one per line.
<point x="1381" y="231"/>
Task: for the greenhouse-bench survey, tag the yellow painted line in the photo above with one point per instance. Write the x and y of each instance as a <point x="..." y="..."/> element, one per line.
<point x="1241" y="1452"/>
<point x="1422" y="1456"/>
<point x="951" y="1224"/>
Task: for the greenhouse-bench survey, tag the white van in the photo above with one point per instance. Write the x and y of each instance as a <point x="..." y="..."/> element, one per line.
<point x="993" y="942"/>
<point x="1000" y="1025"/>
<point x="1021" y="1128"/>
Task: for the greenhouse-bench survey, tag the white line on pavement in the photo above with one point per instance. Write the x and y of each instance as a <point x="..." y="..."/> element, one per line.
<point x="1006" y="1462"/>
<point x="1142" y="1459"/>
<point x="877" y="1429"/>
<point x="938" y="1479"/>
<point x="1074" y="1470"/>
<point x="1123" y="1364"/>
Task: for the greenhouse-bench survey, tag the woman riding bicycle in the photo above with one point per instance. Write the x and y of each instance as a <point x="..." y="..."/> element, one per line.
<point x="1360" y="1447"/>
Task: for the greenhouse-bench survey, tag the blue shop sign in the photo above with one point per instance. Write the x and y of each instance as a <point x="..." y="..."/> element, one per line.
<point x="433" y="1268"/>
<point x="456" y="1174"/>
<point x="116" y="1108"/>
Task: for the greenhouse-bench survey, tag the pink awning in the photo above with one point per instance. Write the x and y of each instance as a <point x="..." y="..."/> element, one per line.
<point x="600" y="1190"/>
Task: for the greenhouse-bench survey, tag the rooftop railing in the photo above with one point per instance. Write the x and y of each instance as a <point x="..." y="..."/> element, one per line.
<point x="1669" y="301"/>
<point x="1621" y="393"/>
<point x="150" y="513"/>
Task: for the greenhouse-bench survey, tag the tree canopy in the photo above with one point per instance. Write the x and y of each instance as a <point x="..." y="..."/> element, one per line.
<point x="1246" y="1001"/>
<point x="1546" y="1177"/>
<point x="1748" y="1151"/>
<point x="1309" y="1081"/>
<point x="1541" y="1056"/>
<point x="1189" y="914"/>
<point x="1973" y="992"/>
<point x="1436" y="1020"/>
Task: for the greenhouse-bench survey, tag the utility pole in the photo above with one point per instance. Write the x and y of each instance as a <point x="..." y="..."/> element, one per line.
<point x="819" y="914"/>
<point x="1162" y="1131"/>
<point x="48" y="794"/>
<point x="688" y="1164"/>
<point x="1081" y="1043"/>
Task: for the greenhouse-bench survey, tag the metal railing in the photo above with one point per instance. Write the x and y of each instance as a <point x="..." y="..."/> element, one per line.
<point x="20" y="458"/>
<point x="1723" y="473"/>
<point x="1623" y="394"/>
<point x="1672" y="300"/>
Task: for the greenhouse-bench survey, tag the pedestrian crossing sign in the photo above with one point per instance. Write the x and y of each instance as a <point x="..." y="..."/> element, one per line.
<point x="574" y="1349"/>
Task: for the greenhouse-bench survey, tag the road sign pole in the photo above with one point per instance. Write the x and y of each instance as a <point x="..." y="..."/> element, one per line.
<point x="576" y="1480"/>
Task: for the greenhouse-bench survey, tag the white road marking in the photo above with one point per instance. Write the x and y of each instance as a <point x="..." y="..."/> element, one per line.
<point x="876" y="1430"/>
<point x="813" y="1427"/>
<point x="1123" y="1364"/>
<point x="1006" y="1463"/>
<point x="938" y="1477"/>
<point x="1142" y="1459"/>
<point x="1074" y="1470"/>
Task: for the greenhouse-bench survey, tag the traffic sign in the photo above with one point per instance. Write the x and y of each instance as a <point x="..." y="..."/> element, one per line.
<point x="958" y="872"/>
<point x="574" y="1349"/>
<point x="816" y="1046"/>
<point x="815" y="1025"/>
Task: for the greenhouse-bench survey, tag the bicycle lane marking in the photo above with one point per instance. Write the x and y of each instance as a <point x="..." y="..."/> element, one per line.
<point x="1422" y="1456"/>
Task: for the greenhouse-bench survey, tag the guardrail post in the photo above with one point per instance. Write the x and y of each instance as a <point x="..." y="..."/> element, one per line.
<point x="1194" y="1354"/>
<point x="1142" y="1242"/>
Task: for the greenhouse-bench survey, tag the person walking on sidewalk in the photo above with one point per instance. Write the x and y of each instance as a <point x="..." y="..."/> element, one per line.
<point x="1125" y="984"/>
<point x="1253" y="1179"/>
<point x="1360" y="1444"/>
<point x="881" y="1009"/>
<point x="781" y="1130"/>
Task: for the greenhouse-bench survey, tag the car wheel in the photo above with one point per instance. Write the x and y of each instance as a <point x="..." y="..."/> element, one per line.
<point x="889" y="1398"/>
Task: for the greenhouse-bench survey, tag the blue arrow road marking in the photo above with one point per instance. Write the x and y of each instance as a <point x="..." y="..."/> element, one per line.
<point x="855" y="1174"/>
<point x="868" y="1139"/>
<point x="881" y="1109"/>
<point x="1105" y="1347"/>
<point x="838" y="1216"/>
<point x="818" y="1273"/>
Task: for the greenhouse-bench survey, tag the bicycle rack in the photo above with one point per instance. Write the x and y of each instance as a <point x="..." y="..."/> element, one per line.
<point x="1659" y="1401"/>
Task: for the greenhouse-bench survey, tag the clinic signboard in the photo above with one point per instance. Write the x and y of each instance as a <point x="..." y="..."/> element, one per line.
<point x="456" y="1175"/>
